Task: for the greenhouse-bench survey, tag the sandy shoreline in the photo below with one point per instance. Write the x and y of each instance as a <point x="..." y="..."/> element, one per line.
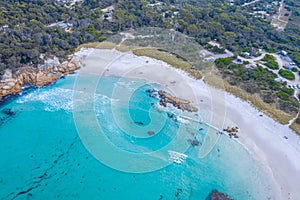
<point x="260" y="134"/>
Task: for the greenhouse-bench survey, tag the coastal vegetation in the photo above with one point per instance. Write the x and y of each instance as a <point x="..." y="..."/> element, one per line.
<point x="296" y="56"/>
<point x="294" y="69"/>
<point x="32" y="28"/>
<point x="260" y="81"/>
<point x="171" y="41"/>
<point x="217" y="81"/>
<point x="287" y="74"/>
<point x="215" y="49"/>
<point x="270" y="61"/>
<point x="28" y="30"/>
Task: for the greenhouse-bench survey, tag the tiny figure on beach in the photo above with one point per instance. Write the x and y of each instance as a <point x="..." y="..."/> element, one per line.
<point x="220" y="133"/>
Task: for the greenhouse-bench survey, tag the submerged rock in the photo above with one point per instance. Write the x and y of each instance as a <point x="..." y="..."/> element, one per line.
<point x="151" y="132"/>
<point x="216" y="195"/>
<point x="178" y="192"/>
<point x="139" y="123"/>
<point x="194" y="142"/>
<point x="152" y="92"/>
<point x="8" y="112"/>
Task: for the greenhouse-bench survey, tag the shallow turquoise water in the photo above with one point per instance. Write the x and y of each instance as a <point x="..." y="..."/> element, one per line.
<point x="43" y="156"/>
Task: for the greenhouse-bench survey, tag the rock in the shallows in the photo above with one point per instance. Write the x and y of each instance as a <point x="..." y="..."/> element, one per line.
<point x="216" y="195"/>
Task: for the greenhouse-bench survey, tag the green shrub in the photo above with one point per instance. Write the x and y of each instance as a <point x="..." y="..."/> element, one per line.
<point x="298" y="120"/>
<point x="270" y="61"/>
<point x="267" y="58"/>
<point x="294" y="69"/>
<point x="223" y="62"/>
<point x="287" y="74"/>
<point x="296" y="57"/>
<point x="283" y="96"/>
<point x="289" y="91"/>
<point x="215" y="49"/>
<point x="101" y="39"/>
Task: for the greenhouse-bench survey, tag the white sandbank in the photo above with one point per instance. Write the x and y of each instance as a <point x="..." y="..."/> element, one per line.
<point x="261" y="135"/>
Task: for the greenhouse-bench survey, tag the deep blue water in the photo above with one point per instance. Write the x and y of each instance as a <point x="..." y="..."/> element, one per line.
<point x="52" y="148"/>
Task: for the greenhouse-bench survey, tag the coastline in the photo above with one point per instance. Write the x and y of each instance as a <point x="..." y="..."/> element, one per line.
<point x="44" y="75"/>
<point x="263" y="136"/>
<point x="211" y="76"/>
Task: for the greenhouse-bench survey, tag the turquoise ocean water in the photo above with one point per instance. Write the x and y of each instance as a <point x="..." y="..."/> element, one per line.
<point x="42" y="155"/>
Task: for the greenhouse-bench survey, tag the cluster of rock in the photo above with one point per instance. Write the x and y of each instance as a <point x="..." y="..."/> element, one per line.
<point x="216" y="195"/>
<point x="179" y="103"/>
<point x="232" y="132"/>
<point x="13" y="83"/>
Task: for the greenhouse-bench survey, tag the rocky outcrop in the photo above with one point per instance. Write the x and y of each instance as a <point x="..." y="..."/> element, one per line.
<point x="166" y="98"/>
<point x="12" y="83"/>
<point x="216" y="195"/>
<point x="179" y="103"/>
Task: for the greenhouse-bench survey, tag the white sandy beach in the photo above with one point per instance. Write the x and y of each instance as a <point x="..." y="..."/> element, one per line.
<point x="260" y="134"/>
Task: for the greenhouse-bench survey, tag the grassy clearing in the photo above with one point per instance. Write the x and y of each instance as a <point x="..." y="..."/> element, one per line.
<point x="170" y="41"/>
<point x="171" y="59"/>
<point x="270" y="110"/>
<point x="97" y="45"/>
<point x="295" y="127"/>
<point x="124" y="48"/>
<point x="279" y="23"/>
